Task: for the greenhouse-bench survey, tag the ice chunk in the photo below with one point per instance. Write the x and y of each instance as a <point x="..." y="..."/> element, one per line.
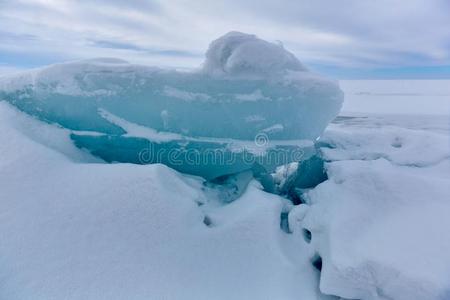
<point x="248" y="88"/>
<point x="296" y="178"/>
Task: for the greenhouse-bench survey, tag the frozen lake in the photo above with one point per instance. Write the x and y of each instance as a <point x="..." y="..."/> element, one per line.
<point x="74" y="229"/>
<point x="430" y="97"/>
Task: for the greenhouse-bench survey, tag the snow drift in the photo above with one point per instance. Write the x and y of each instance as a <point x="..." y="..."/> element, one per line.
<point x="380" y="223"/>
<point x="73" y="230"/>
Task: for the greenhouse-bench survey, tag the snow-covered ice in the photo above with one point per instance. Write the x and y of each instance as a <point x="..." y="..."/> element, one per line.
<point x="375" y="226"/>
<point x="73" y="227"/>
<point x="87" y="230"/>
<point x="244" y="55"/>
<point x="238" y="94"/>
<point x="418" y="97"/>
<point x="380" y="223"/>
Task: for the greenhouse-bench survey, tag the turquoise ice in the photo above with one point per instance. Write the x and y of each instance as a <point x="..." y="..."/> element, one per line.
<point x="250" y="100"/>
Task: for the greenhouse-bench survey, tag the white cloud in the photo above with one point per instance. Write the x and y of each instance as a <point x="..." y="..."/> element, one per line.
<point x="347" y="33"/>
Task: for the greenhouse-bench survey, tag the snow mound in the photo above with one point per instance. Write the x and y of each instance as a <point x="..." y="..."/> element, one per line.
<point x="382" y="230"/>
<point x="380" y="223"/>
<point x="120" y="231"/>
<point x="238" y="53"/>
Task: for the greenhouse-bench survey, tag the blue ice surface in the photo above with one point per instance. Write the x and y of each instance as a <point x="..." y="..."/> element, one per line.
<point x="249" y="92"/>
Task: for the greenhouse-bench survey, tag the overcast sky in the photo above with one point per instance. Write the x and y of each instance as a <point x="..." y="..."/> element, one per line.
<point x="344" y="39"/>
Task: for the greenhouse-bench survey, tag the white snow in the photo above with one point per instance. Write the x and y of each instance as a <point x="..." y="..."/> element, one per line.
<point x="64" y="78"/>
<point x="419" y="97"/>
<point x="241" y="54"/>
<point x="396" y="144"/>
<point x="72" y="227"/>
<point x="380" y="223"/>
<point x="74" y="230"/>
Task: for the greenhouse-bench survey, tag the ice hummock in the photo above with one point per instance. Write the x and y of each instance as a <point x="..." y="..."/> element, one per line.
<point x="247" y="88"/>
<point x="379" y="224"/>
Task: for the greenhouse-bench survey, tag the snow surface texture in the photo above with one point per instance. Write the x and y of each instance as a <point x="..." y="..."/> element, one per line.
<point x="84" y="230"/>
<point x="380" y="223"/>
<point x="247" y="88"/>
<point x="77" y="229"/>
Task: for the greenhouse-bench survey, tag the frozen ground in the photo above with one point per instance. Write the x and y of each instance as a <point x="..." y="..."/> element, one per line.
<point x="72" y="227"/>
